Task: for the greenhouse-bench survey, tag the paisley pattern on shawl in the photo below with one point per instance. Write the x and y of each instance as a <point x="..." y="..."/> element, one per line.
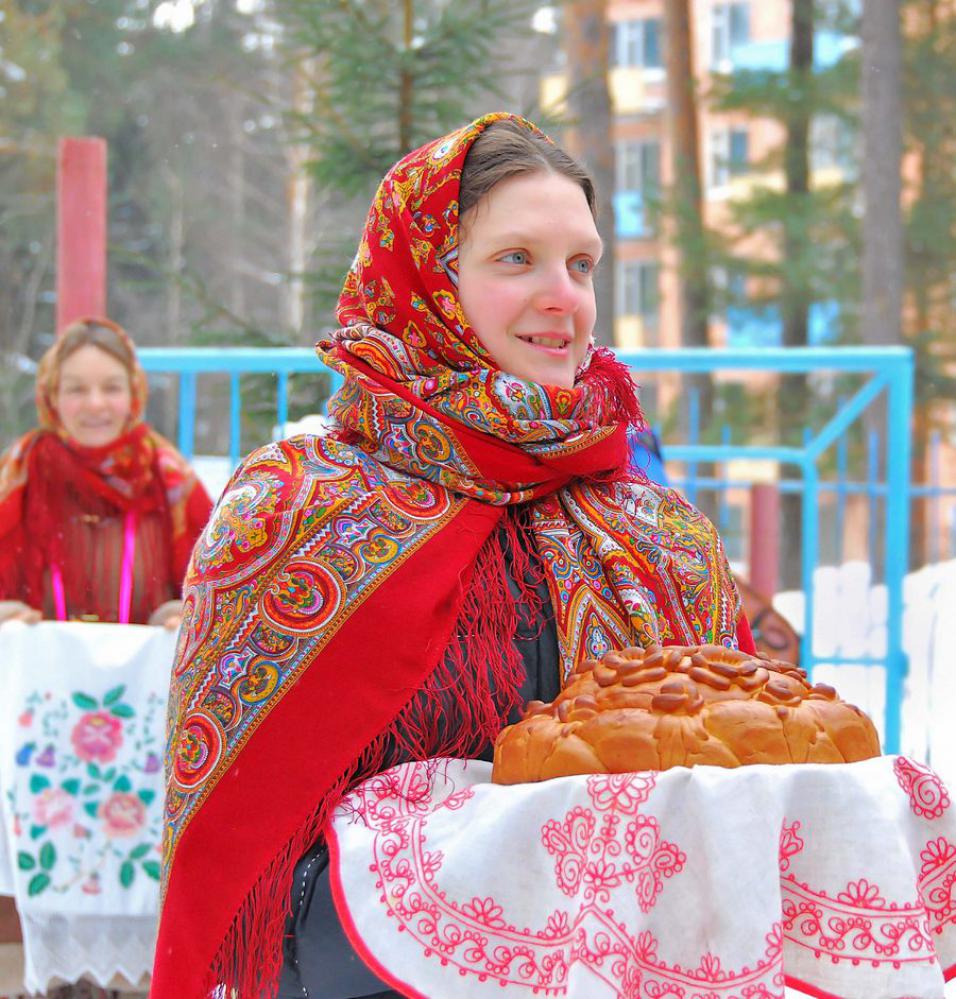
<point x="324" y="551"/>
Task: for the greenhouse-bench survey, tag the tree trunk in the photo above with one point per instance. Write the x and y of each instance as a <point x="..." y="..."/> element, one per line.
<point x="688" y="207"/>
<point x="406" y="82"/>
<point x="795" y="295"/>
<point x="590" y="138"/>
<point x="174" y="290"/>
<point x="883" y="269"/>
<point x="237" y="203"/>
<point x="297" y="194"/>
<point x="882" y="154"/>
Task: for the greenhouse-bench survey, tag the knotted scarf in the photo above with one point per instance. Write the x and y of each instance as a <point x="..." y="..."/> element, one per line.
<point x="350" y="584"/>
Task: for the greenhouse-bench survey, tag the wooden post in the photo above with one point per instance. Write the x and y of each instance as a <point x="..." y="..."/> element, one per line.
<point x="764" y="538"/>
<point x="81" y="230"/>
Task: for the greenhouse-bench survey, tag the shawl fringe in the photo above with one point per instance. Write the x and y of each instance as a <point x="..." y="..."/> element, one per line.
<point x="459" y="710"/>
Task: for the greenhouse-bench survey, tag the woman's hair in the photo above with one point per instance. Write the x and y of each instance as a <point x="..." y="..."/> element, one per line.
<point x="506" y="149"/>
<point x="99" y="333"/>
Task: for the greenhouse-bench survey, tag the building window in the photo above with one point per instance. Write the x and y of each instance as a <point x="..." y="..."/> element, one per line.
<point x="730" y="28"/>
<point x="729" y="155"/>
<point x="637" y="292"/>
<point x="638" y="43"/>
<point x="639" y="166"/>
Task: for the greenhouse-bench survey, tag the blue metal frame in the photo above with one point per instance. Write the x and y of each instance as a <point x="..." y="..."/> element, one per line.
<point x="190" y="362"/>
<point x="891" y="371"/>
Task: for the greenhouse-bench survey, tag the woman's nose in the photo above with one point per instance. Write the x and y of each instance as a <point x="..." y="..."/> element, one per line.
<point x="557" y="292"/>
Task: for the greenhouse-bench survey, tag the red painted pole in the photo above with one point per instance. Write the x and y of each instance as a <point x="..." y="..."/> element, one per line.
<point x="764" y="538"/>
<point x="80" y="230"/>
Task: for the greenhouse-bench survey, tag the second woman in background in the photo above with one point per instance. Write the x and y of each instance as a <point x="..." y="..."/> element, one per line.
<point x="98" y="512"/>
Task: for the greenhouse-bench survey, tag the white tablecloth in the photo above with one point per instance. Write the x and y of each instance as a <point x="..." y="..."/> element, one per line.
<point x="82" y="730"/>
<point x="689" y="884"/>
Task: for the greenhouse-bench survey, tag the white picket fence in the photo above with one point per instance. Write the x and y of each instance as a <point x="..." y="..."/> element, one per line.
<point x="850" y="620"/>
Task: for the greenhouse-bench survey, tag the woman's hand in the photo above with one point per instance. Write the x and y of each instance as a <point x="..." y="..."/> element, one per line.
<point x="17" y="610"/>
<point x="167" y="615"/>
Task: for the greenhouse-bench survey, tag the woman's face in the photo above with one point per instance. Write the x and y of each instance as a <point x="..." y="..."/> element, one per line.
<point x="93" y="396"/>
<point x="525" y="276"/>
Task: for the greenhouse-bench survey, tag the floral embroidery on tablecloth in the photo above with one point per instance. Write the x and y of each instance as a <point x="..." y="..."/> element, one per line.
<point x="928" y="797"/>
<point x="791" y="843"/>
<point x="586" y="843"/>
<point x="86" y="799"/>
<point x="858" y="923"/>
<point x="937" y="882"/>
<point x="599" y="851"/>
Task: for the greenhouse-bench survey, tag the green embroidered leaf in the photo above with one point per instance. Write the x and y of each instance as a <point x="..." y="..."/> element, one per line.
<point x="112" y="696"/>
<point x="122" y="711"/>
<point x="85" y="702"/>
<point x="38" y="883"/>
<point x="94" y="771"/>
<point x="91" y="788"/>
<point x="139" y="852"/>
<point x="109" y="774"/>
<point x="151" y="867"/>
<point x="37" y="831"/>
<point x="38" y="782"/>
<point x="122" y="783"/>
<point x="48" y="856"/>
<point x="92" y="808"/>
<point x="26" y="861"/>
<point x="71" y="786"/>
<point x="127" y="873"/>
<point x="146" y="796"/>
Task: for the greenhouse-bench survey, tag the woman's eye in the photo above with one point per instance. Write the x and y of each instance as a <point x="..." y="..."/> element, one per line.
<point x="583" y="265"/>
<point x="515" y="257"/>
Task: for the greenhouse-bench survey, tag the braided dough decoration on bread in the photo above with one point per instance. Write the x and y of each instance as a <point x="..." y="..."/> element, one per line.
<point x="656" y="708"/>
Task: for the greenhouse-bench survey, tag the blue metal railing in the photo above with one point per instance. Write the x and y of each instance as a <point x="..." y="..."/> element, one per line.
<point x="889" y="371"/>
<point x="190" y="362"/>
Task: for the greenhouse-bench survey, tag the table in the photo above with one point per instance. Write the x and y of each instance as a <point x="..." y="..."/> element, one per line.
<point x="82" y="734"/>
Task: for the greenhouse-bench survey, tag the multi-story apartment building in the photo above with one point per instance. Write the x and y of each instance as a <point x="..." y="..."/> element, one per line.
<point x="728" y="34"/>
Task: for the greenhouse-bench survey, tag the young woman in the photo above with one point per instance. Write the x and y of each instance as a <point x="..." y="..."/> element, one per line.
<point x="98" y="513"/>
<point x="466" y="532"/>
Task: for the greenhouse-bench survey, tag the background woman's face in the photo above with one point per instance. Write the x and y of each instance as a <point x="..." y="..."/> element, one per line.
<point x="93" y="397"/>
<point x="525" y="264"/>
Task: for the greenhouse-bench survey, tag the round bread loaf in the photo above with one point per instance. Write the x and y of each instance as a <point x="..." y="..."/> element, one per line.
<point x="655" y="708"/>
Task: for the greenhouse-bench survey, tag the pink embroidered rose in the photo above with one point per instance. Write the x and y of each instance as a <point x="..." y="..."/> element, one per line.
<point x="97" y="736"/>
<point x="123" y="814"/>
<point x="53" y="807"/>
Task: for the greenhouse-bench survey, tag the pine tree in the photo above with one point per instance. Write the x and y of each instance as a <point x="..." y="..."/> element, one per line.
<point x="386" y="77"/>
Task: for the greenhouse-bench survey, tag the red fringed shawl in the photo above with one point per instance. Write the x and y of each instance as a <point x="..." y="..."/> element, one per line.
<point x="347" y="579"/>
<point x="46" y="479"/>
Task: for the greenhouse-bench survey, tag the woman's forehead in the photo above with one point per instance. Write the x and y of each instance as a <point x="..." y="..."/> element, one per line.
<point x="88" y="362"/>
<point x="539" y="205"/>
